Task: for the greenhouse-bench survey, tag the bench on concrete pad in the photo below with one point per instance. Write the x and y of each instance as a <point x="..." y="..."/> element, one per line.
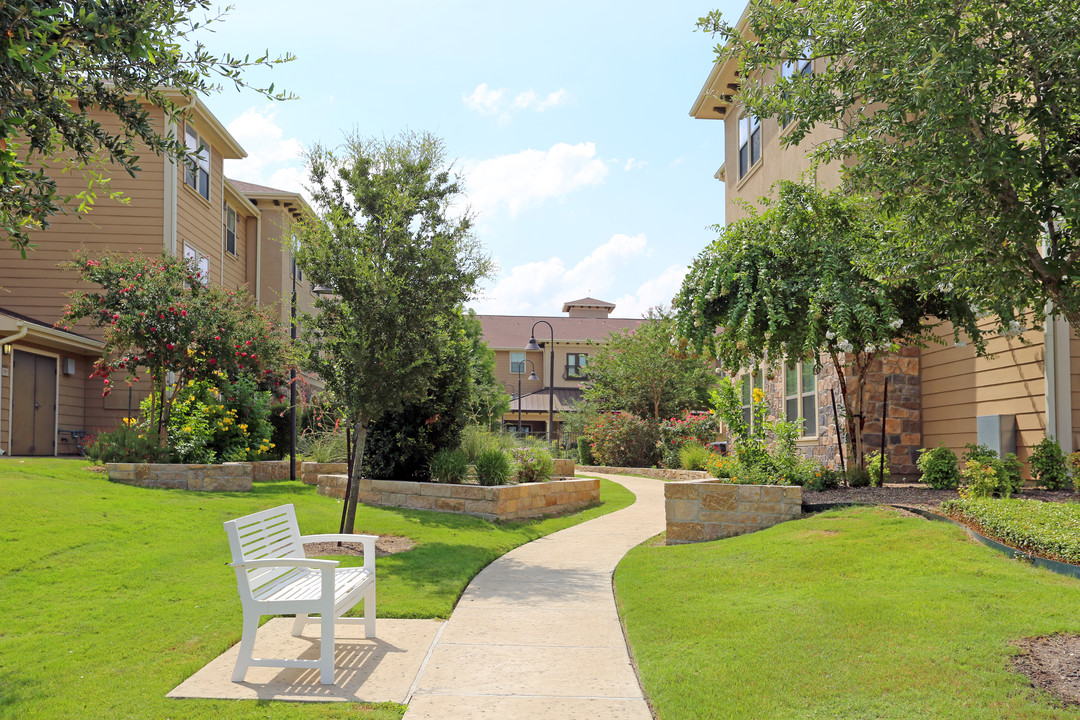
<point x="275" y="577"/>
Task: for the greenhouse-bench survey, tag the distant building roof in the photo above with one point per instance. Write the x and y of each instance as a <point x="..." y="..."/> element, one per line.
<point x="587" y="302"/>
<point x="513" y="331"/>
<point x="538" y="401"/>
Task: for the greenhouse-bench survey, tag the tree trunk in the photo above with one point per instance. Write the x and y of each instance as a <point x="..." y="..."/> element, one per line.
<point x="359" y="441"/>
<point x="849" y="415"/>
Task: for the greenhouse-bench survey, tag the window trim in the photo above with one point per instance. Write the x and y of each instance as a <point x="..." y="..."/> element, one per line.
<point x="800" y="396"/>
<point x="235" y="219"/>
<point x="202" y="262"/>
<point x="519" y="363"/>
<point x="581" y="363"/>
<point x="753" y="128"/>
<point x="197" y="173"/>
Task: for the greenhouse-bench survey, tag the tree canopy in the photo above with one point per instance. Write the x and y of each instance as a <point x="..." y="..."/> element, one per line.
<point x="963" y="118"/>
<point x="60" y="58"/>
<point x="648" y="372"/>
<point x="790" y="284"/>
<point x="397" y="264"/>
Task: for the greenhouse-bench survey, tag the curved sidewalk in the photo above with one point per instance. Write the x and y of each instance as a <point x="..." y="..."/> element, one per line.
<point x="536" y="634"/>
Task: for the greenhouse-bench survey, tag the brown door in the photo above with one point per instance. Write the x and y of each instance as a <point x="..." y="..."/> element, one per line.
<point x="33" y="404"/>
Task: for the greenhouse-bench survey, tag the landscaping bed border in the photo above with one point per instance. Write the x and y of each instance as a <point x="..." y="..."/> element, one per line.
<point x="225" y="477"/>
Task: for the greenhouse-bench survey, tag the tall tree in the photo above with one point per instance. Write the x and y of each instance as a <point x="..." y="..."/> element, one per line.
<point x="788" y="285"/>
<point x="648" y="372"/>
<point x="398" y="261"/>
<point x="60" y="58"/>
<point x="488" y="399"/>
<point x="963" y="118"/>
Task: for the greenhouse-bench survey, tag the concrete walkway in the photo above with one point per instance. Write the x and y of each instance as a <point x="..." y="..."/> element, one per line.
<point x="536" y="634"/>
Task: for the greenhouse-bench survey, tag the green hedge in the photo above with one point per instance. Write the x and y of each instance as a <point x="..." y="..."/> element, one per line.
<point x="1047" y="529"/>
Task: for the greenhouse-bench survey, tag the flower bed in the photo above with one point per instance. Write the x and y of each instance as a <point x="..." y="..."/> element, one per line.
<point x="227" y="477"/>
<point x="1046" y="529"/>
<point x="707" y="510"/>
<point x="499" y="502"/>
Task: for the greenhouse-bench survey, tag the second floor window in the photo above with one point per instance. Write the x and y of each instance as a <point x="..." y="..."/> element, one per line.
<point x="575" y="366"/>
<point x="749" y="143"/>
<point x="788" y="70"/>
<point x="750" y="383"/>
<point x="197" y="173"/>
<point x="230" y="230"/>
<point x="517" y="363"/>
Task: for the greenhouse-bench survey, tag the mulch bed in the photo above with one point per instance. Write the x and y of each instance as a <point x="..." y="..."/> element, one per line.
<point x="918" y="495"/>
<point x="385" y="545"/>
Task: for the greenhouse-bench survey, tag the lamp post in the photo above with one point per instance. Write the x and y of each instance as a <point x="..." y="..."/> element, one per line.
<point x="292" y="383"/>
<point x="531" y="377"/>
<point x="551" y="377"/>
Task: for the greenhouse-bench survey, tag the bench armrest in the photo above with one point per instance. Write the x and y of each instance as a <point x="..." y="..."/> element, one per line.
<point x="367" y="540"/>
<point x="286" y="562"/>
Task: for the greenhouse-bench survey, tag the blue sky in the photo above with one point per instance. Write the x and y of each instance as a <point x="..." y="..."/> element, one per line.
<point x="569" y="121"/>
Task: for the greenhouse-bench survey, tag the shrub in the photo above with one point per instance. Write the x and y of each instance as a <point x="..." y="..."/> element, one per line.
<point x="449" y="465"/>
<point x="981" y="479"/>
<point x="700" y="428"/>
<point x="623" y="440"/>
<point x="585" y="456"/>
<point x="476" y="439"/>
<point x="128" y="443"/>
<point x="533" y="464"/>
<point x="323" y="446"/>
<point x="858" y="477"/>
<point x="492" y="467"/>
<point x="939" y="468"/>
<point x="823" y="479"/>
<point x="1010" y="475"/>
<point x="1048" y="465"/>
<point x="879" y="472"/>
<point x="1073" y="463"/>
<point x="694" y="456"/>
<point x="721" y="466"/>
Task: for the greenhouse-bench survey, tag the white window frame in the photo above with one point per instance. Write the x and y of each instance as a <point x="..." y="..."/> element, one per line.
<point x="749" y="143"/>
<point x="201" y="262"/>
<point x="197" y="172"/>
<point x="517" y="363"/>
<point x="748" y="382"/>
<point x="788" y="70"/>
<point x="797" y="395"/>
<point x="230" y="230"/>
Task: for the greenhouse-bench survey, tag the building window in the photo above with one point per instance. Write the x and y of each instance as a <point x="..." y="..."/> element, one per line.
<point x="749" y="143"/>
<point x="788" y="70"/>
<point x="199" y="262"/>
<point x="750" y="382"/>
<point x="800" y="396"/>
<point x="197" y="173"/>
<point x="230" y="230"/>
<point x="297" y="271"/>
<point x="517" y="363"/>
<point x="575" y="366"/>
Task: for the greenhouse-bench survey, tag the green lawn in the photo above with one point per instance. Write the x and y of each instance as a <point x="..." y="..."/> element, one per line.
<point x="111" y="595"/>
<point x="855" y="613"/>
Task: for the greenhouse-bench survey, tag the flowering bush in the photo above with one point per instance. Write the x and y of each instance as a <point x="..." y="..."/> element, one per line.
<point x="623" y="440"/>
<point x="127" y="443"/>
<point x="532" y="464"/>
<point x="700" y="428"/>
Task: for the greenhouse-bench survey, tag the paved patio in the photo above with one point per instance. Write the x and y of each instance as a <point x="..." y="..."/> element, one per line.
<point x="536" y="635"/>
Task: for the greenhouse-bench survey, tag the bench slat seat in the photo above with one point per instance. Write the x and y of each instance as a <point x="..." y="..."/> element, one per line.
<point x="275" y="577"/>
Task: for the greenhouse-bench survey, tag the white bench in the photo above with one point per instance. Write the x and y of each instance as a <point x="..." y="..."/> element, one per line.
<point x="275" y="577"/>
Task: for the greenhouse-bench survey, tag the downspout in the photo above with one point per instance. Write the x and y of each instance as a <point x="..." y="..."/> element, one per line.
<point x="7" y="341"/>
<point x="1058" y="393"/>
<point x="169" y="211"/>
<point x="258" y="259"/>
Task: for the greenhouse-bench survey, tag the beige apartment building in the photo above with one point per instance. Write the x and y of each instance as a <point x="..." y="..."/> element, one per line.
<point x="237" y="233"/>
<point x="942" y="394"/>
<point x="587" y="323"/>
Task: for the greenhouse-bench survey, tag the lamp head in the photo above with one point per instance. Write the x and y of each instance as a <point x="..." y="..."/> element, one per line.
<point x="532" y="376"/>
<point x="532" y="344"/>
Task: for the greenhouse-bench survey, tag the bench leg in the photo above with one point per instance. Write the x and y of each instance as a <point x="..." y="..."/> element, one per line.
<point x="298" y="624"/>
<point x="247" y="645"/>
<point x="326" y="660"/>
<point x="369" y="612"/>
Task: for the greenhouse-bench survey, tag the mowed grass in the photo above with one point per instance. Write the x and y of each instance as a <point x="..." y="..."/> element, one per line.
<point x="856" y="613"/>
<point x="112" y="595"/>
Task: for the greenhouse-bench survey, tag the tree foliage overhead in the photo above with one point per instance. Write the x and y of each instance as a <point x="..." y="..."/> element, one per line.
<point x="789" y="284"/>
<point x="964" y="118"/>
<point x="648" y="372"/>
<point x="398" y="263"/>
<point x="61" y="58"/>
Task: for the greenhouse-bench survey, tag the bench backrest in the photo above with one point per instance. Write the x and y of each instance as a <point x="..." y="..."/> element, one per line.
<point x="272" y="533"/>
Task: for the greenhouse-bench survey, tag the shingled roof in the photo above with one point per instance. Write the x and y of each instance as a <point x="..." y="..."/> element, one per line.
<point x="513" y="331"/>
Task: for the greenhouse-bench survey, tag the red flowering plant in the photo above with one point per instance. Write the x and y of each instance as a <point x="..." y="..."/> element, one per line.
<point x="160" y="318"/>
<point x="697" y="427"/>
<point x="621" y="439"/>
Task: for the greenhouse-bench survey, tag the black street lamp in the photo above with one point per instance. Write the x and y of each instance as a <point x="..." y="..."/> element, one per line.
<point x="531" y="377"/>
<point x="551" y="378"/>
<point x="292" y="384"/>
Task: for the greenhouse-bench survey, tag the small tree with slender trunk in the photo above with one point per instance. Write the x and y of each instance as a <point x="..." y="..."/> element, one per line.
<point x="396" y="264"/>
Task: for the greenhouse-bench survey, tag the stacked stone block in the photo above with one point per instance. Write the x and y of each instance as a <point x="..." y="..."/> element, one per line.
<point x="227" y="477"/>
<point x="658" y="473"/>
<point x="697" y="511"/>
<point x="310" y="471"/>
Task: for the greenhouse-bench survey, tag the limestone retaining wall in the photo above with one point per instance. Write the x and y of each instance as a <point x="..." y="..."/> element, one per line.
<point x="698" y="511"/>
<point x="658" y="473"/>
<point x="310" y="471"/>
<point x="226" y="477"/>
<point x="502" y="502"/>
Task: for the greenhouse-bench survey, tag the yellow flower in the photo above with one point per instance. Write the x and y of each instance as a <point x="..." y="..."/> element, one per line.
<point x="187" y="428"/>
<point x="759" y="395"/>
<point x="243" y="426"/>
<point x="273" y="445"/>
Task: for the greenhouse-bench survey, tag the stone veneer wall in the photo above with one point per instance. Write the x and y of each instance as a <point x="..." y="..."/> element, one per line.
<point x="310" y="471"/>
<point x="658" y="473"/>
<point x="698" y="511"/>
<point x="227" y="477"/>
<point x="502" y="502"/>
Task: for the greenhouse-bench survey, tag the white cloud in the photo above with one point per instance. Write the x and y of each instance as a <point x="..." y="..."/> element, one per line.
<point x="273" y="159"/>
<point x="541" y="287"/>
<point x="633" y="164"/>
<point x="529" y="177"/>
<point x="657" y="291"/>
<point x="498" y="102"/>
